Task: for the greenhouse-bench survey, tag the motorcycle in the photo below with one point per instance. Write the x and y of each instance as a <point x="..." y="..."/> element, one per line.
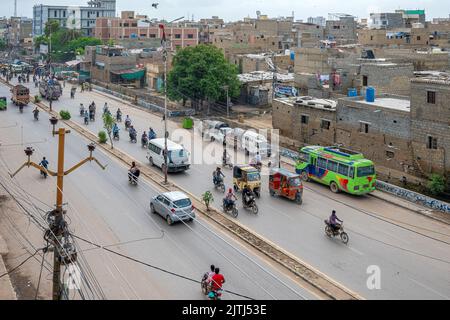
<point x="133" y="178"/>
<point x="215" y="295"/>
<point x="36" y="116"/>
<point x="250" y="204"/>
<point x="230" y="209"/>
<point x="81" y="111"/>
<point x="219" y="185"/>
<point x="21" y="108"/>
<point x="144" y="142"/>
<point x="133" y="137"/>
<point x="332" y="232"/>
<point x="127" y="124"/>
<point x="86" y="120"/>
<point x="119" y="117"/>
<point x="91" y="116"/>
<point x="116" y="135"/>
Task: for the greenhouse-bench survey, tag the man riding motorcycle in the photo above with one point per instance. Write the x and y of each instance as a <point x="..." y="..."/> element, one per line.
<point x="228" y="200"/>
<point x="133" y="134"/>
<point x="127" y="122"/>
<point x="144" y="139"/>
<point x="207" y="278"/>
<point x="133" y="173"/>
<point x="44" y="164"/>
<point x="151" y="134"/>
<point x="218" y="176"/>
<point x="333" y="221"/>
<point x="81" y="109"/>
<point x="86" y="117"/>
<point x="216" y="283"/>
<point x="247" y="195"/>
<point x="115" y="131"/>
<point x="36" y="113"/>
<point x="119" y="115"/>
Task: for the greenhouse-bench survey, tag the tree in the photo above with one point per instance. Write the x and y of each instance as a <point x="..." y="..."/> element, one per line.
<point x="436" y="184"/>
<point x="199" y="74"/>
<point x="51" y="26"/>
<point x="108" y="124"/>
<point x="2" y="44"/>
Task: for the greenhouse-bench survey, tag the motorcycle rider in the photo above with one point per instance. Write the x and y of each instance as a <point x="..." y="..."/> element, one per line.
<point x="134" y="172"/>
<point x="86" y="117"/>
<point x="258" y="159"/>
<point x="217" y="176"/>
<point x="81" y="109"/>
<point x="115" y="130"/>
<point x="127" y="122"/>
<point x="36" y="113"/>
<point x="119" y="115"/>
<point x="144" y="139"/>
<point x="151" y="134"/>
<point x="247" y="193"/>
<point x="133" y="133"/>
<point x="228" y="200"/>
<point x="105" y="107"/>
<point x="44" y="164"/>
<point x="333" y="221"/>
<point x="216" y="282"/>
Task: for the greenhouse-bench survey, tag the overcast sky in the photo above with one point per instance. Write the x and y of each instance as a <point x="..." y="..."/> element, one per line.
<point x="232" y="10"/>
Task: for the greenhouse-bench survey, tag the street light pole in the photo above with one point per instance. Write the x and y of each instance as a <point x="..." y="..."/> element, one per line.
<point x="228" y="100"/>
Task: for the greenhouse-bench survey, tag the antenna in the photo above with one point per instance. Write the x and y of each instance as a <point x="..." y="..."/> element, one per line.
<point x="15" y="8"/>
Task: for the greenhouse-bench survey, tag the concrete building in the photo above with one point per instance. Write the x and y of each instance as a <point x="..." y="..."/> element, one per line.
<point x="130" y="26"/>
<point x="395" y="38"/>
<point x="18" y="31"/>
<point x="422" y="60"/>
<point x="73" y="17"/>
<point x="208" y="27"/>
<point x="430" y="123"/>
<point x="341" y="28"/>
<point x="387" y="20"/>
<point x="308" y="35"/>
<point x="320" y="21"/>
<point x="412" y="16"/>
<point x="305" y="119"/>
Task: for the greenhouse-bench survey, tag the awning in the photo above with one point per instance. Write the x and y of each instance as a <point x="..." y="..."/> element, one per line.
<point x="130" y="74"/>
<point x="73" y="63"/>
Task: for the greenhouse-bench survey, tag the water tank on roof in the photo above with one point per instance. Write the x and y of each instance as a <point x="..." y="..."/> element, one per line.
<point x="370" y="94"/>
<point x="292" y="55"/>
<point x="352" y="92"/>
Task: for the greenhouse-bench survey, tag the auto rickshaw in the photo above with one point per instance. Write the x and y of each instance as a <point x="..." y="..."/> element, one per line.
<point x="286" y="184"/>
<point x="247" y="175"/>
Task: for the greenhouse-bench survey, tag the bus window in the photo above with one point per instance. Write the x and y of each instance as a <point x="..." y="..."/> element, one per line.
<point x="343" y="169"/>
<point x="351" y="172"/>
<point x="303" y="157"/>
<point x="366" y="171"/>
<point x="322" y="163"/>
<point x="332" y="166"/>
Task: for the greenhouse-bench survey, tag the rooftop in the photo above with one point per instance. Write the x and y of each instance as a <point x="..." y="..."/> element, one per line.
<point x="397" y="103"/>
<point x="264" y="76"/>
<point x="316" y="103"/>
<point x="433" y="77"/>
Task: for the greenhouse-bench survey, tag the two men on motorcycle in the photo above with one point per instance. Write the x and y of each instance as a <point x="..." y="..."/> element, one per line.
<point x="133" y="134"/>
<point x="144" y="139"/>
<point x="133" y="173"/>
<point x="216" y="283"/>
<point x="247" y="196"/>
<point x="151" y="134"/>
<point x="127" y="122"/>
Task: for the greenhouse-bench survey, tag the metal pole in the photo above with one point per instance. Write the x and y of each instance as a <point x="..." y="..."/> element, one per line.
<point x="165" y="112"/>
<point x="58" y="218"/>
<point x="228" y="104"/>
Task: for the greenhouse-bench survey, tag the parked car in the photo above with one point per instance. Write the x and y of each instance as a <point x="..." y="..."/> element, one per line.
<point x="173" y="206"/>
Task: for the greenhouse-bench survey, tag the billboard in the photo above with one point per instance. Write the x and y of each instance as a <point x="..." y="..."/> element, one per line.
<point x="43" y="48"/>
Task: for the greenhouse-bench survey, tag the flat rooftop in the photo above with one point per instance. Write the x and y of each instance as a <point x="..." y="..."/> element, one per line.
<point x="264" y="75"/>
<point x="311" y="102"/>
<point x="390" y="103"/>
<point x="432" y="77"/>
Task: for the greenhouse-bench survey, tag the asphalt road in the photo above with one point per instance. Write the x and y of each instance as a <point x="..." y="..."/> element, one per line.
<point x="411" y="251"/>
<point x="105" y="209"/>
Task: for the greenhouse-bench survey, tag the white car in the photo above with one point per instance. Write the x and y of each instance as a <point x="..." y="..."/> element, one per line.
<point x="173" y="206"/>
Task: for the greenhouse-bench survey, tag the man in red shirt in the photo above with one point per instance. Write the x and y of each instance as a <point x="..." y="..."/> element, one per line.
<point x="217" y="280"/>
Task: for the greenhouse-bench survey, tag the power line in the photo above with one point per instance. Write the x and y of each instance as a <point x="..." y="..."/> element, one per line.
<point x="20" y="264"/>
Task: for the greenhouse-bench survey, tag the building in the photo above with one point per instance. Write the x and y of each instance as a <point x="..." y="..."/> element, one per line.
<point x="305" y="119"/>
<point x="430" y="123"/>
<point x="387" y="20"/>
<point x="308" y="35"/>
<point x="113" y="65"/>
<point x="17" y="31"/>
<point x="412" y="16"/>
<point x="208" y="27"/>
<point x="395" y="38"/>
<point x="73" y="17"/>
<point x="130" y="26"/>
<point x="341" y="28"/>
<point x="320" y="21"/>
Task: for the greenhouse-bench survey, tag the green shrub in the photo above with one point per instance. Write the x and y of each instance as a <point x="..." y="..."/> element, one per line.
<point x="436" y="184"/>
<point x="37" y="99"/>
<point x="102" y="137"/>
<point x="65" y="114"/>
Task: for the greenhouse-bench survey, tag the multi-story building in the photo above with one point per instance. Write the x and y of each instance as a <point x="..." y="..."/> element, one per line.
<point x="400" y="38"/>
<point x="320" y="21"/>
<point x="386" y="20"/>
<point x="341" y="28"/>
<point x="73" y="17"/>
<point x="20" y="29"/>
<point x="130" y="26"/>
<point x="412" y="16"/>
<point x="308" y="35"/>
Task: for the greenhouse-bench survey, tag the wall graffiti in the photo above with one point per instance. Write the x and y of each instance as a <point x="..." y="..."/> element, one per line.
<point x="414" y="197"/>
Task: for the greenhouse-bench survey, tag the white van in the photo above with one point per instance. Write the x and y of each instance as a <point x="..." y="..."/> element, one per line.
<point x="252" y="143"/>
<point x="177" y="159"/>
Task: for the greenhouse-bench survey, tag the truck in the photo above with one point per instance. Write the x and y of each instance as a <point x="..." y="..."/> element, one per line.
<point x="20" y="95"/>
<point x="50" y="89"/>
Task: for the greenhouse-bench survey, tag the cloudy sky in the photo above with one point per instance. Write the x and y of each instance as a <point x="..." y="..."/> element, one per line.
<point x="235" y="9"/>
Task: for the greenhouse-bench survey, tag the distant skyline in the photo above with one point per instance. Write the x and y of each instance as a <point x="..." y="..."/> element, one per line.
<point x="232" y="10"/>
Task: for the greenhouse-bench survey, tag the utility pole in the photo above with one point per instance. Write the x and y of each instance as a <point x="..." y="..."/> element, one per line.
<point x="226" y="88"/>
<point x="58" y="227"/>
<point x="15" y="8"/>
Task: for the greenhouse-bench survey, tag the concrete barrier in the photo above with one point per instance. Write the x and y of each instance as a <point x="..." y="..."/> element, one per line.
<point x="414" y="197"/>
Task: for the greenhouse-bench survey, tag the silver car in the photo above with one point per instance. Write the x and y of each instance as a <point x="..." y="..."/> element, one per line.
<point x="173" y="206"/>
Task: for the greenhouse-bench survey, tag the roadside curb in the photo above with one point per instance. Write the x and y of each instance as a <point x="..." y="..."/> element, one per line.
<point x="6" y="288"/>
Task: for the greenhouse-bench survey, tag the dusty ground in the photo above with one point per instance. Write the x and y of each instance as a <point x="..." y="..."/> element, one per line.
<point x="21" y="237"/>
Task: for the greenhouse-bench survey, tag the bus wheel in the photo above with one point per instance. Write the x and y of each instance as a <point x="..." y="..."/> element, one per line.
<point x="334" y="187"/>
<point x="305" y="176"/>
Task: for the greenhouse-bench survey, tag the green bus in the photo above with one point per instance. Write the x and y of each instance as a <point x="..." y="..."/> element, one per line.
<point x="341" y="169"/>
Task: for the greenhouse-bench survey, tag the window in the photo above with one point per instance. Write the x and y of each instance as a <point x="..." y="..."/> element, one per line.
<point x="56" y="14"/>
<point x="431" y="97"/>
<point x="365" y="81"/>
<point x="190" y="36"/>
<point x="351" y="172"/>
<point x="304" y="119"/>
<point x="364" y="127"/>
<point x="152" y="35"/>
<point x="343" y="169"/>
<point x="366" y="171"/>
<point x="371" y="38"/>
<point x="134" y="24"/>
<point x="303" y="157"/>
<point x="143" y="35"/>
<point x="332" y="166"/>
<point x="418" y="38"/>
<point x="322" y="163"/>
<point x="178" y="36"/>
<point x="431" y="143"/>
<point x="64" y="14"/>
<point x="390" y="154"/>
<point x="126" y="24"/>
<point x="325" y="124"/>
